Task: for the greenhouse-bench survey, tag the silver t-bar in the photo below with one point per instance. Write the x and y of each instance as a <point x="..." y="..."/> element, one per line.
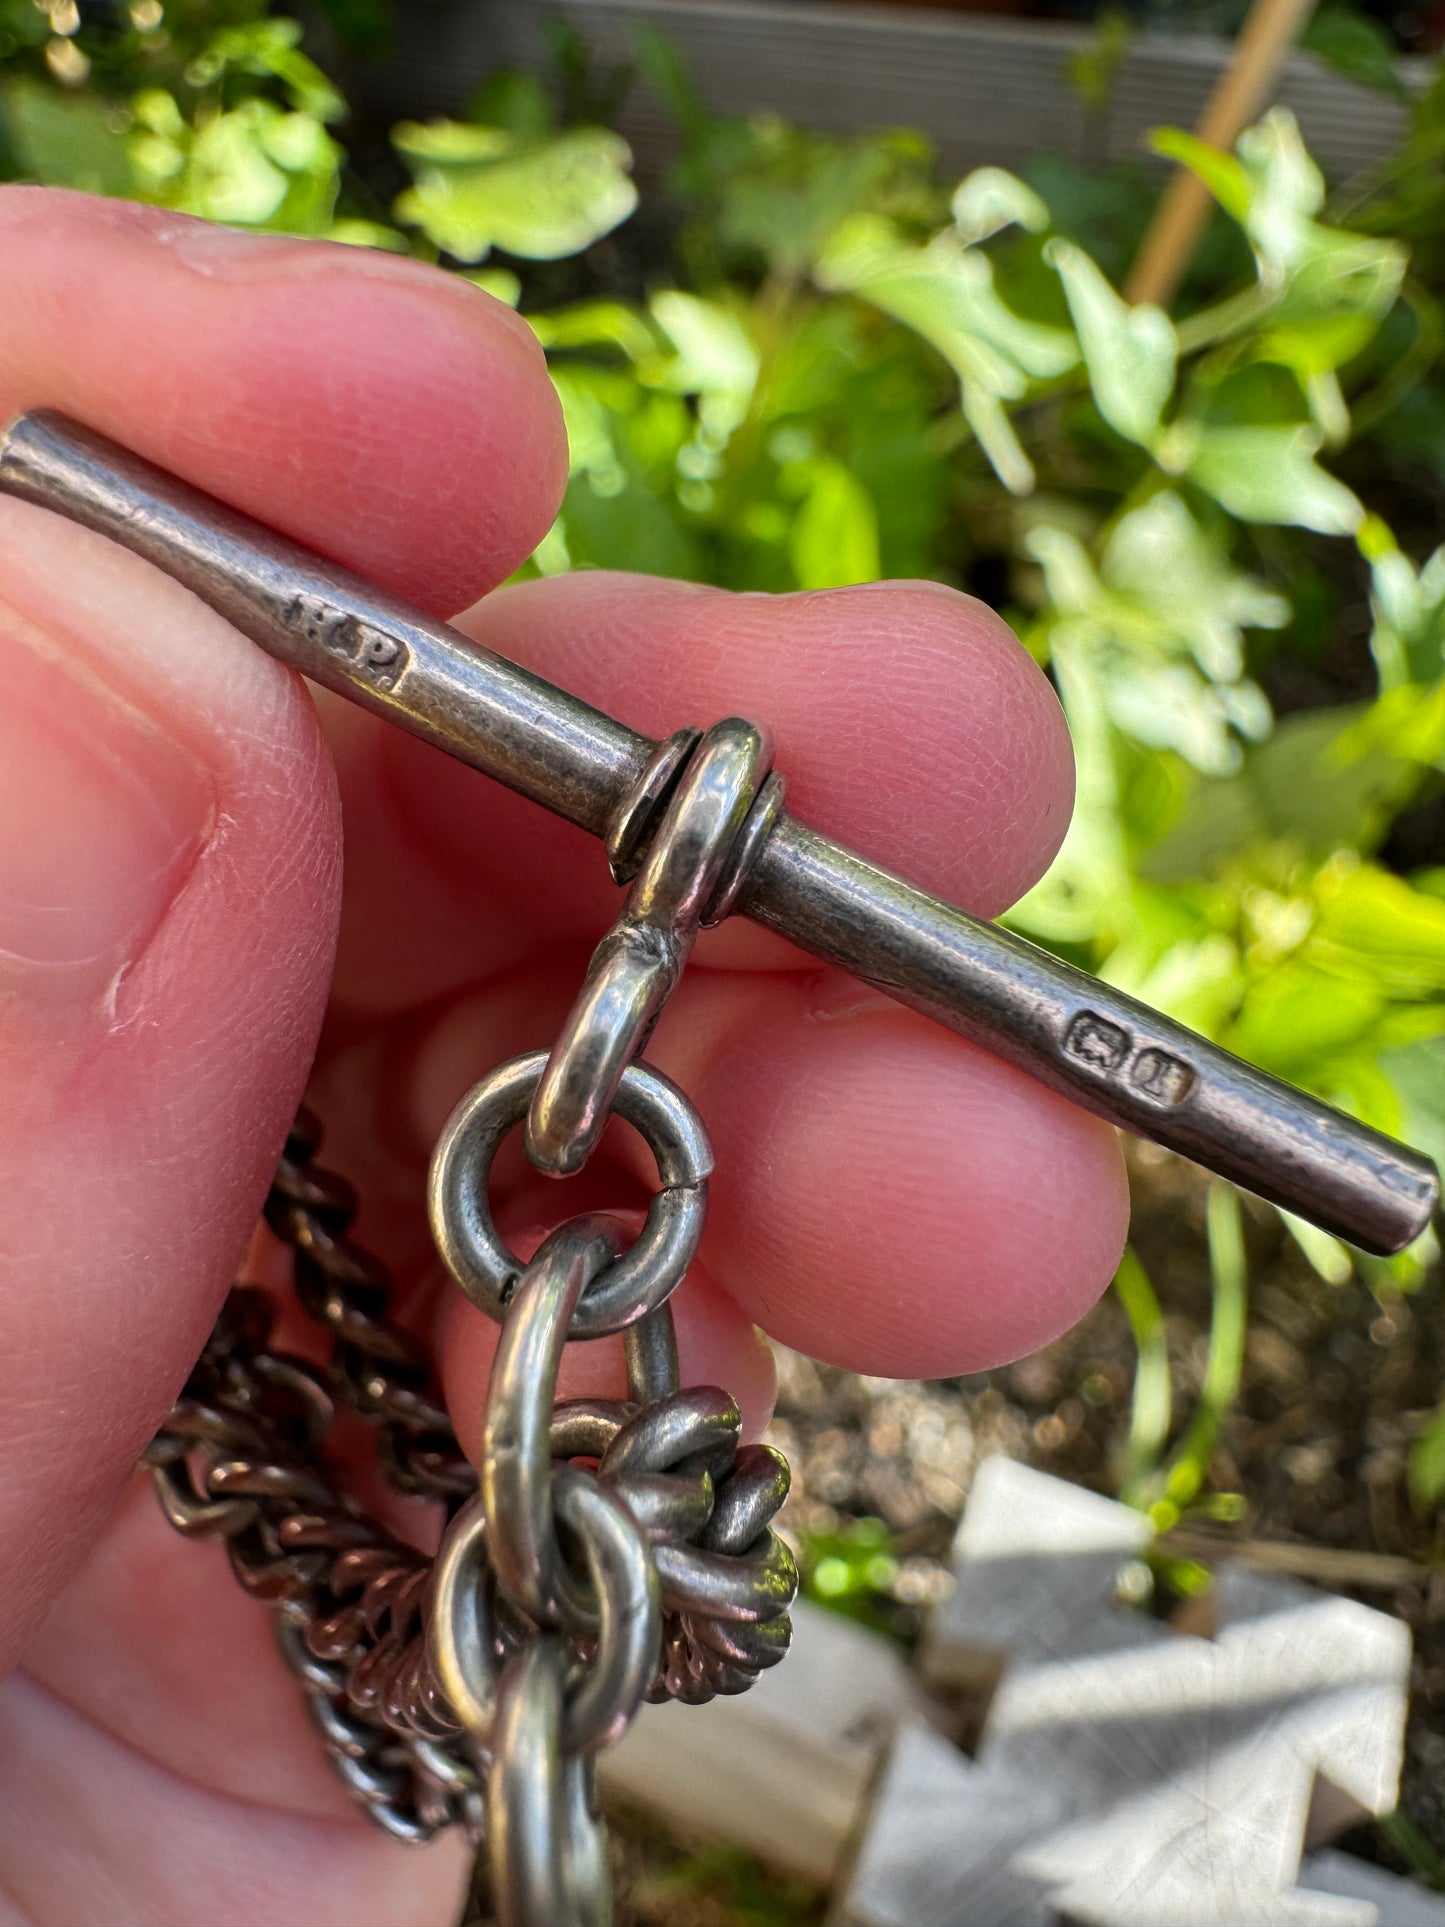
<point x="1103" y="1050"/>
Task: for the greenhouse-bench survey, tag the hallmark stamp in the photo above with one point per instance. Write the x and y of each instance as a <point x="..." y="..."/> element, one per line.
<point x="1106" y="1047"/>
<point x="1096" y="1042"/>
<point x="380" y="657"/>
<point x="1168" y="1080"/>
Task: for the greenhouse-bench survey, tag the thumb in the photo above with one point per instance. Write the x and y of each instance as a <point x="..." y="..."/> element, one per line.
<point x="169" y="872"/>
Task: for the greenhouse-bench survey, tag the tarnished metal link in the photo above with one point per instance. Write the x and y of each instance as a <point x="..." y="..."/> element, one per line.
<point x="649" y="1347"/>
<point x="726" y="1587"/>
<point x="631" y="823"/>
<point x="663" y="1535"/>
<point x="647" y="1272"/>
<point x="623" y="1579"/>
<point x="549" y="1863"/>
<point x="377" y="1369"/>
<point x="346" y="1594"/>
<point x="638" y="963"/>
<point x="463" y="1638"/>
<point x="516" y="1460"/>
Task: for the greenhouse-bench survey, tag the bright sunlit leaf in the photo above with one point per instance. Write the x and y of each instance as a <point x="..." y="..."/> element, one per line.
<point x="1269" y="474"/>
<point x="1130" y="353"/>
<point x="991" y="199"/>
<point x="477" y="188"/>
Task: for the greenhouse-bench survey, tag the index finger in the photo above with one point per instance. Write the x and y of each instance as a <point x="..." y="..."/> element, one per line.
<point x="387" y="414"/>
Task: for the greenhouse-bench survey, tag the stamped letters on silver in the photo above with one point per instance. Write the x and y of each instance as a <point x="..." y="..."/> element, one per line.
<point x="380" y="657"/>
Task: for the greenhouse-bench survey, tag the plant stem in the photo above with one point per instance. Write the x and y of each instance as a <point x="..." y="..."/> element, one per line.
<point x="1224" y="1365"/>
<point x="1413" y="1848"/>
<point x="1151" y="1406"/>
<point x="1228" y="317"/>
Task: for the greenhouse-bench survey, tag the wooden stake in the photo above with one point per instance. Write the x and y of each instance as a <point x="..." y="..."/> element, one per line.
<point x="1269" y="31"/>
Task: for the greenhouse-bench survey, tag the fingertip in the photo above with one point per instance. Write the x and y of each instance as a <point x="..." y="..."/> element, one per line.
<point x="885" y="1199"/>
<point x="909" y="720"/>
<point x="381" y="411"/>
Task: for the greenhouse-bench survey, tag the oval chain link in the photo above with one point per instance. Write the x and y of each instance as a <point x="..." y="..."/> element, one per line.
<point x="638" y="963"/>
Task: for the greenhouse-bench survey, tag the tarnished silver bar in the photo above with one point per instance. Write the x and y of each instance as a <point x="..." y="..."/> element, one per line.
<point x="335" y="628"/>
<point x="1102" y="1049"/>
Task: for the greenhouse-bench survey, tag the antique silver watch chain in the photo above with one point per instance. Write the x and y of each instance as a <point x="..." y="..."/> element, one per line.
<point x="606" y="1551"/>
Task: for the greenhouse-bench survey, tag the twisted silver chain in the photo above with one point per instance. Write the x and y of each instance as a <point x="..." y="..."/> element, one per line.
<point x="608" y="1551"/>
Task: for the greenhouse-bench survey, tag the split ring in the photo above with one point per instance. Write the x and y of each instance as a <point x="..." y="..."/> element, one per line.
<point x="647" y="1272"/>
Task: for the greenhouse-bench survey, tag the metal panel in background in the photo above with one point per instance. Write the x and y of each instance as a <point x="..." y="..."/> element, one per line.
<point x="982" y="87"/>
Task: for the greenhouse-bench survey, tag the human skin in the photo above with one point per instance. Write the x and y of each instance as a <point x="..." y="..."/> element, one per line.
<point x="171" y="891"/>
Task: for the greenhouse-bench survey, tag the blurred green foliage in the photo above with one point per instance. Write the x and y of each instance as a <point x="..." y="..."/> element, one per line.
<point x="850" y="1568"/>
<point x="835" y="366"/>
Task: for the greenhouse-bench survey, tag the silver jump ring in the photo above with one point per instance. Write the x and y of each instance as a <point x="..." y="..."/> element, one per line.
<point x="647" y="1272"/>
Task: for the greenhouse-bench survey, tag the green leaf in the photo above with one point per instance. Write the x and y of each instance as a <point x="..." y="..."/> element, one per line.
<point x="787" y="197"/>
<point x="1162" y="624"/>
<point x="1286" y="189"/>
<point x="987" y="418"/>
<point x="1323" y="781"/>
<point x="476" y="189"/>
<point x="715" y="359"/>
<point x="452" y="143"/>
<point x="990" y="199"/>
<point x="1130" y="353"/>
<point x="1221" y="173"/>
<point x="1298" y="1017"/>
<point x="231" y="176"/>
<point x="500" y="283"/>
<point x="1160" y="555"/>
<point x="269" y="49"/>
<point x="1328" y="1258"/>
<point x="1398" y="932"/>
<point x="598" y="324"/>
<point x="1417" y="1072"/>
<point x="834" y="539"/>
<point x="1354" y="44"/>
<point x="516" y="102"/>
<point x="356" y="233"/>
<point x="66" y="140"/>
<point x="946" y="294"/>
<point x="715" y="355"/>
<point x="1270" y="475"/>
<point x="1427" y="1465"/>
<point x="1408" y="637"/>
<point x="1151" y="1408"/>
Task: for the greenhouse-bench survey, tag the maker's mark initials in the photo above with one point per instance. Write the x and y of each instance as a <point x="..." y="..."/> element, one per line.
<point x="380" y="657"/>
<point x="1114" y="1053"/>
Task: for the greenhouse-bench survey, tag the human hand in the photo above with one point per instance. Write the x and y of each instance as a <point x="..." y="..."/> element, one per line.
<point x="886" y="1197"/>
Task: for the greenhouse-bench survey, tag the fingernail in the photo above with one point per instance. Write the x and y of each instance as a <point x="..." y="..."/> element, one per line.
<point x="241" y="254"/>
<point x="105" y="815"/>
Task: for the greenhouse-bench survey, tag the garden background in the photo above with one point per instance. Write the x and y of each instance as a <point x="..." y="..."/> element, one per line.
<point x="795" y="361"/>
